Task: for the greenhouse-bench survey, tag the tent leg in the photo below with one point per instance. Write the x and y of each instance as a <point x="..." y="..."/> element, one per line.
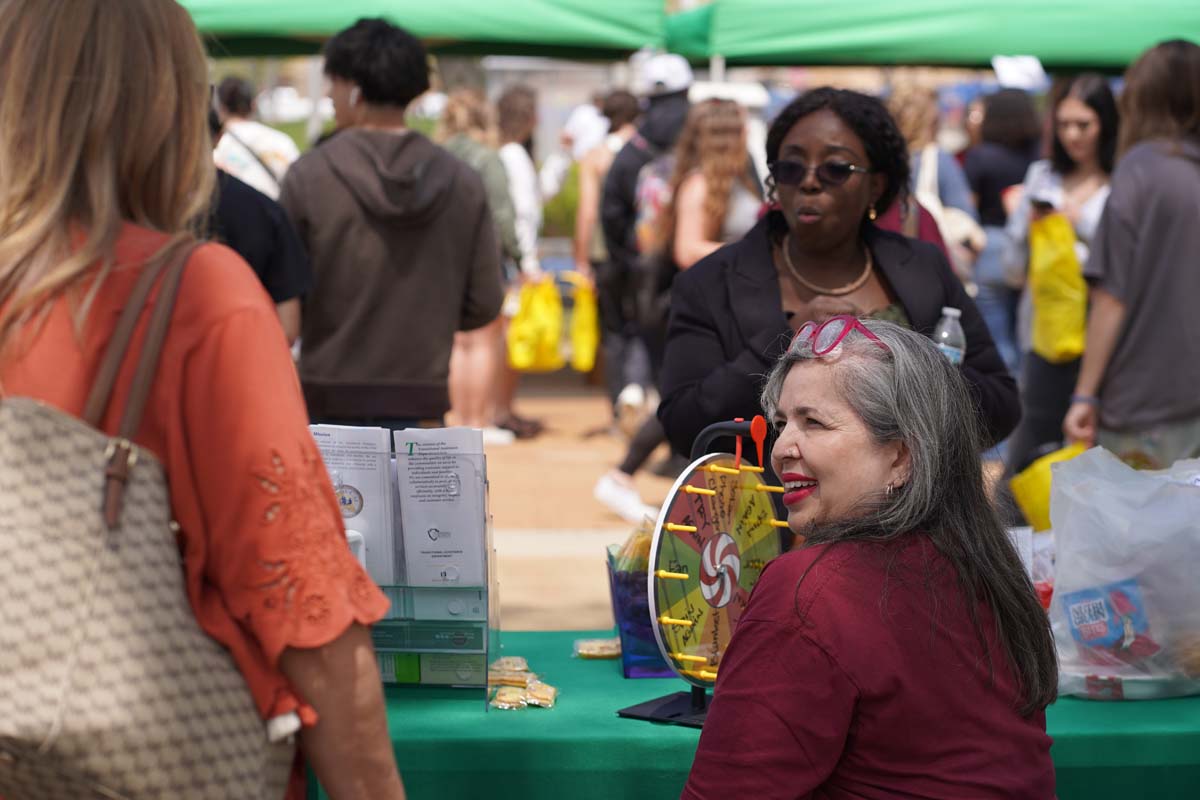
<point x="716" y="68"/>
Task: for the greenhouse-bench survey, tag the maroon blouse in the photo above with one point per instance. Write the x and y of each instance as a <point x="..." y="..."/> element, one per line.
<point x="864" y="679"/>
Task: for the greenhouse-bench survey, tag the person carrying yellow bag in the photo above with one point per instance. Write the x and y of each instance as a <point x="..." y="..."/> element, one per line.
<point x="1057" y="290"/>
<point x="1049" y="230"/>
<point x="585" y="323"/>
<point x="535" y="333"/>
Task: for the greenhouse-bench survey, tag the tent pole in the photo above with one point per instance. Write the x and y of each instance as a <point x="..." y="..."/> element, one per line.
<point x="716" y="68"/>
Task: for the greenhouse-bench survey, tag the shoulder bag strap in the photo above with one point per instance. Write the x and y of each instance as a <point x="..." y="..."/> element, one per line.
<point x="106" y="377"/>
<point x="261" y="162"/>
<point x="121" y="456"/>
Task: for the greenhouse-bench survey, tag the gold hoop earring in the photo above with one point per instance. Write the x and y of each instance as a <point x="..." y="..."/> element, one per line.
<point x="871" y="215"/>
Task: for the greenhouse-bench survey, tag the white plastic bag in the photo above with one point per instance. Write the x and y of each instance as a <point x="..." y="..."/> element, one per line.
<point x="1126" y="607"/>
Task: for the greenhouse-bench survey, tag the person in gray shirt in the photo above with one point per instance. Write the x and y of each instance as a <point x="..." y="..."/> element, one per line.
<point x="1137" y="392"/>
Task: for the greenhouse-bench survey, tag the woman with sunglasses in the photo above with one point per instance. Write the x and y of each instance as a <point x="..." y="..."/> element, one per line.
<point x="837" y="161"/>
<point x="901" y="650"/>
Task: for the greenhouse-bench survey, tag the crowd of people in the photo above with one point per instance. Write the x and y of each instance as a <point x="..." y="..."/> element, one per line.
<point x="669" y="183"/>
<point x="386" y="259"/>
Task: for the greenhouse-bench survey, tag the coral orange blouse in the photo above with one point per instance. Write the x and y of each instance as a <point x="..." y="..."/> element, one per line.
<point x="263" y="544"/>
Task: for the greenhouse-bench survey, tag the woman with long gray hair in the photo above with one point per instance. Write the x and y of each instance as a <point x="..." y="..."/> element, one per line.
<point x="900" y="650"/>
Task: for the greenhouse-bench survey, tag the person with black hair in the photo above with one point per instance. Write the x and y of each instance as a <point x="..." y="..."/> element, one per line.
<point x="668" y="78"/>
<point x="250" y="151"/>
<point x="621" y="109"/>
<point x="403" y="246"/>
<point x="836" y="162"/>
<point x="1072" y="182"/>
<point x="592" y="258"/>
<point x="256" y="228"/>
<point x="665" y="81"/>
<point x="1011" y="133"/>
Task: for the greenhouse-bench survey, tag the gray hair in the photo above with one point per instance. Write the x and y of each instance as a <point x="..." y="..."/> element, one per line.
<point x="909" y="393"/>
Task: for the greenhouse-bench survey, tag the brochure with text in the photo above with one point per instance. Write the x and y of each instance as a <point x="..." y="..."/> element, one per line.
<point x="357" y="460"/>
<point x="442" y="480"/>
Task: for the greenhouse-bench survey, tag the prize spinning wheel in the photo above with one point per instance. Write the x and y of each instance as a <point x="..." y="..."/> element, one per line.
<point x="715" y="533"/>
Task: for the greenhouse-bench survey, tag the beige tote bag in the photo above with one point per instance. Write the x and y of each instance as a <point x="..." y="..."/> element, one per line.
<point x="108" y="686"/>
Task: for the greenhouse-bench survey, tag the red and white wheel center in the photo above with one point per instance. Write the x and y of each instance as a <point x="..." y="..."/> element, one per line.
<point x="720" y="569"/>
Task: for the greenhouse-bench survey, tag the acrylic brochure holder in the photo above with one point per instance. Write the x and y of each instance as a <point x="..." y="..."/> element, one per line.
<point x="417" y="518"/>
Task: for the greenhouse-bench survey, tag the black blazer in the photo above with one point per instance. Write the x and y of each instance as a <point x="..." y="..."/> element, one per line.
<point x="727" y="328"/>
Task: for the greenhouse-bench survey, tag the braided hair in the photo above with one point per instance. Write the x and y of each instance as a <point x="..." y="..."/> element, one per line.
<point x="886" y="148"/>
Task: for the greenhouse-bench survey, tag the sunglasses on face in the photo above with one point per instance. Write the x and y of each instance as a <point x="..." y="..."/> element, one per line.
<point x="829" y="173"/>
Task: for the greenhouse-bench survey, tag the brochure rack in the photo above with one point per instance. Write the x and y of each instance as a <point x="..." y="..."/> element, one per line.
<point x="442" y="627"/>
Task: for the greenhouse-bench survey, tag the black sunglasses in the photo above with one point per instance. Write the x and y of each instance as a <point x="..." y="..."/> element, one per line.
<point x="829" y="173"/>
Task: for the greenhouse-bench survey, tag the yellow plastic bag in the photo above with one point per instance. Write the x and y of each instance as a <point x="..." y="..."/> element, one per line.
<point x="536" y="330"/>
<point x="585" y="324"/>
<point x="1031" y="486"/>
<point x="1058" y="290"/>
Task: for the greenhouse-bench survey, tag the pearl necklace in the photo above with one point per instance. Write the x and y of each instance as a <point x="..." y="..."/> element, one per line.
<point x="853" y="286"/>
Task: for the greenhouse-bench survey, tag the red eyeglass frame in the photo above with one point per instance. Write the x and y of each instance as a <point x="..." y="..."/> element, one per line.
<point x="811" y="331"/>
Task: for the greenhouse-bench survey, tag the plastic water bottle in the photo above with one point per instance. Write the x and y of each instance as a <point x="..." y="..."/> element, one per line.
<point x="949" y="336"/>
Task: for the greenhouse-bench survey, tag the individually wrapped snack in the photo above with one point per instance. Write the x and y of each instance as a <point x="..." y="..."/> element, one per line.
<point x="634" y="555"/>
<point x="1186" y="649"/>
<point x="509" y="698"/>
<point x="1043" y="566"/>
<point x="510" y="664"/>
<point x="598" y="648"/>
<point x="510" y="678"/>
<point x="541" y="694"/>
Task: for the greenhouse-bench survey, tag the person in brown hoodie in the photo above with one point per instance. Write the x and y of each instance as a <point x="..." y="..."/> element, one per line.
<point x="403" y="248"/>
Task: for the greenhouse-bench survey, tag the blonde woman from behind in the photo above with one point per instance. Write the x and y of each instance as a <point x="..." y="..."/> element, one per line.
<point x="105" y="161"/>
<point x="468" y="130"/>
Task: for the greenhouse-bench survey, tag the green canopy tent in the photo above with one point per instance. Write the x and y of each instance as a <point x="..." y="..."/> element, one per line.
<point x="572" y="28"/>
<point x="1106" y="34"/>
<point x="689" y="33"/>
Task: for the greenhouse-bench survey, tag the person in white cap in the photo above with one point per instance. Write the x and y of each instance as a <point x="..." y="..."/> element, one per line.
<point x="665" y="80"/>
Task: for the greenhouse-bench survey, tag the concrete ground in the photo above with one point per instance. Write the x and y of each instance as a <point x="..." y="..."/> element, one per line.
<point x="550" y="533"/>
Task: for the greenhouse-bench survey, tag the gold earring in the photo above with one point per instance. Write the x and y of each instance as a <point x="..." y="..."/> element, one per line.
<point x="871" y="215"/>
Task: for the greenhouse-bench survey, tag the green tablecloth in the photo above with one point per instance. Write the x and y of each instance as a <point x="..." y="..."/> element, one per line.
<point x="447" y="747"/>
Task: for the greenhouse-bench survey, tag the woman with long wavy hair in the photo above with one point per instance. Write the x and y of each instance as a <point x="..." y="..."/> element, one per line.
<point x="105" y="166"/>
<point x="712" y="198"/>
<point x="715" y="198"/>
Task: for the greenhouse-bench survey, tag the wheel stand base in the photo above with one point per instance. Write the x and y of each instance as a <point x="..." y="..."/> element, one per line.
<point x="681" y="708"/>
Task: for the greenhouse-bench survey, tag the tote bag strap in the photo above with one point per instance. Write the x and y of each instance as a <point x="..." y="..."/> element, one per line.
<point x="120" y="456"/>
<point x="156" y="334"/>
<point x="114" y="355"/>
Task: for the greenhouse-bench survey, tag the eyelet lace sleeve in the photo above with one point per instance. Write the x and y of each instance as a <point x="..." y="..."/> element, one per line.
<point x="265" y="550"/>
<point x="305" y="577"/>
